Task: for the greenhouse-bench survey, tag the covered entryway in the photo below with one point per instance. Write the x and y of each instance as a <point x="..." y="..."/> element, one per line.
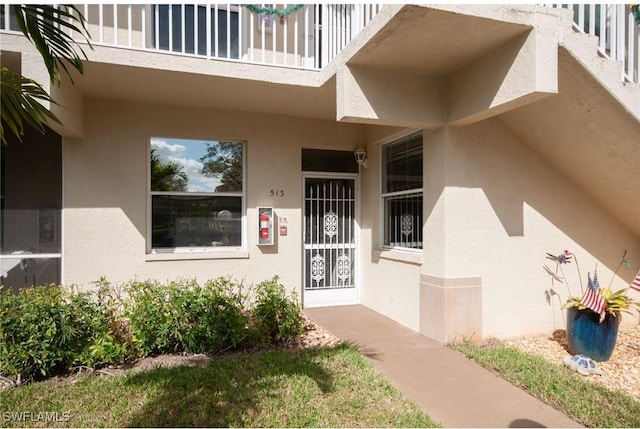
<point x="330" y="239"/>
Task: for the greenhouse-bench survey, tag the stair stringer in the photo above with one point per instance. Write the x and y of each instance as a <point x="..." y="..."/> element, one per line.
<point x="608" y="72"/>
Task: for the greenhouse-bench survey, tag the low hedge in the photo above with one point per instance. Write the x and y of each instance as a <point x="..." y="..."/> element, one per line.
<point x="46" y="330"/>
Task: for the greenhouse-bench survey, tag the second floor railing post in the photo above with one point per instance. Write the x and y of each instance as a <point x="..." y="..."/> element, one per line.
<point x="632" y="48"/>
<point x="325" y="28"/>
<point x="617" y="30"/>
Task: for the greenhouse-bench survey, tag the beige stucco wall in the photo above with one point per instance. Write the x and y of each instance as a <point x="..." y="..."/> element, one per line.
<point x="105" y="190"/>
<point x="493" y="207"/>
<point x="504" y="208"/>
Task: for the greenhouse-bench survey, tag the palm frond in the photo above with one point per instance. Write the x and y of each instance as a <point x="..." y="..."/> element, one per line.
<point x="49" y="27"/>
<point x="21" y="103"/>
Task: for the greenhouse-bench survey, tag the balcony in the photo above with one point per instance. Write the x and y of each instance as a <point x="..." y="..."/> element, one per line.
<point x="304" y="36"/>
<point x="300" y="36"/>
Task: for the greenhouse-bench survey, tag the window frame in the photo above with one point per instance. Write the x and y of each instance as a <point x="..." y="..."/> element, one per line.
<point x="385" y="196"/>
<point x="216" y="250"/>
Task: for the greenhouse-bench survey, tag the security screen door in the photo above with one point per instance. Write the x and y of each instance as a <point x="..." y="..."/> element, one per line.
<point x="330" y="240"/>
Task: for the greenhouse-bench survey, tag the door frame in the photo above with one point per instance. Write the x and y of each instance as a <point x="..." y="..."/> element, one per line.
<point x="337" y="296"/>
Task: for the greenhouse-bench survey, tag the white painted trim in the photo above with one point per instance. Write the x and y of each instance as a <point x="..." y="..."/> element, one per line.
<point x="330" y="297"/>
<point x="31" y="256"/>
<point x="197" y="255"/>
<point x="395" y="138"/>
<point x="62" y="208"/>
<point x="204" y="252"/>
<point x="409" y="256"/>
<point x="333" y="296"/>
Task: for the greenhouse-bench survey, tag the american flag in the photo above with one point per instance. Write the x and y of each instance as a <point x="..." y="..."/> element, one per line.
<point x="635" y="283"/>
<point x="592" y="297"/>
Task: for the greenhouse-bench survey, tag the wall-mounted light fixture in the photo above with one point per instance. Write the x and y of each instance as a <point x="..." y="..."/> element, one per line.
<point x="361" y="156"/>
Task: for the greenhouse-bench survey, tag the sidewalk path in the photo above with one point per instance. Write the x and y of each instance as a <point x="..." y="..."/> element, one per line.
<point x="450" y="388"/>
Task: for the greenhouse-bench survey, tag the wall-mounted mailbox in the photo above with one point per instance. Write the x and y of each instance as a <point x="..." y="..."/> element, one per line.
<point x="265" y="226"/>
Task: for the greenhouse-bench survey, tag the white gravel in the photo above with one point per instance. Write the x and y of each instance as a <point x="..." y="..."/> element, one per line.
<point x="621" y="372"/>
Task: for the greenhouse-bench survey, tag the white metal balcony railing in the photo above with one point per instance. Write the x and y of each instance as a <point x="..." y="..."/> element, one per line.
<point x="305" y="36"/>
<point x="618" y="31"/>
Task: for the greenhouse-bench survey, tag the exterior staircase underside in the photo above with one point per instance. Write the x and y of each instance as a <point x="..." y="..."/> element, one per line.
<point x="587" y="127"/>
<point x="590" y="136"/>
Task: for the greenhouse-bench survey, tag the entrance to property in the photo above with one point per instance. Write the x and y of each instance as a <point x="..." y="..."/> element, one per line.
<point x="330" y="240"/>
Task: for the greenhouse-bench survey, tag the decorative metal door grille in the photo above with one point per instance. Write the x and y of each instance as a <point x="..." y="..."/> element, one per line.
<point x="329" y="240"/>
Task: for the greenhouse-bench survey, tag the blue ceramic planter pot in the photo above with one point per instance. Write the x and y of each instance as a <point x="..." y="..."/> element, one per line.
<point x="588" y="337"/>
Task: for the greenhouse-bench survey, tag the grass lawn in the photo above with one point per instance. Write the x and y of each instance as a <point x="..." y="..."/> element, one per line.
<point x="587" y="403"/>
<point x="327" y="387"/>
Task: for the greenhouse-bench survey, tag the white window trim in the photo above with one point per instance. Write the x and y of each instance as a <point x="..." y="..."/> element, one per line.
<point x="205" y="252"/>
<point x="385" y="250"/>
<point x="383" y="197"/>
<point x="227" y="253"/>
<point x="408" y="256"/>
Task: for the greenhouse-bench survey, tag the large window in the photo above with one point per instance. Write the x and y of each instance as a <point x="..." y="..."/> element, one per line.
<point x="197" y="194"/>
<point x="402" y="192"/>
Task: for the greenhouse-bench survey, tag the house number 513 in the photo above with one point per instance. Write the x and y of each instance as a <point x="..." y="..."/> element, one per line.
<point x="276" y="193"/>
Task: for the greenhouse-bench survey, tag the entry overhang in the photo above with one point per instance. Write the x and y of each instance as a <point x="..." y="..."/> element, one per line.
<point x="384" y="97"/>
<point x="429" y="66"/>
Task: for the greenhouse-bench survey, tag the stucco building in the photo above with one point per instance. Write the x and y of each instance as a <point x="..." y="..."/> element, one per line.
<point x="486" y="136"/>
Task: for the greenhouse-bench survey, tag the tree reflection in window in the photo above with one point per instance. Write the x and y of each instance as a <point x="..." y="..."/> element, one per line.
<point x="197" y="193"/>
<point x="224" y="162"/>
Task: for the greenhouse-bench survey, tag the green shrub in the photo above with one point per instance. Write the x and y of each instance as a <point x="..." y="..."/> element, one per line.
<point x="278" y="318"/>
<point x="151" y="318"/>
<point x="113" y="343"/>
<point x="47" y="329"/>
<point x="218" y="319"/>
<point x="182" y="316"/>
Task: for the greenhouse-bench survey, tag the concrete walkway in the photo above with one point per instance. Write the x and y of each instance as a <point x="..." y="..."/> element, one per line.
<point x="450" y="388"/>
